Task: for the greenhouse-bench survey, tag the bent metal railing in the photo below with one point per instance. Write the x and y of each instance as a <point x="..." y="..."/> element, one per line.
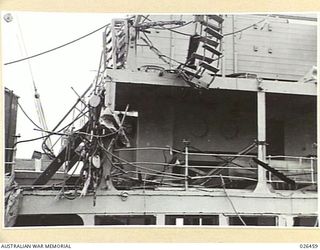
<point x="188" y="169"/>
<point x="185" y="169"/>
<point x="300" y="169"/>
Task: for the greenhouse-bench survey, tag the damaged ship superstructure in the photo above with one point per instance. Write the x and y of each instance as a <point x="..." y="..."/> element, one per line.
<point x="192" y="120"/>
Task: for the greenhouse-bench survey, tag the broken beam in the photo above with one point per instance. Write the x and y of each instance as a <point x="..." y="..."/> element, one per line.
<point x="54" y="166"/>
<point x="278" y="174"/>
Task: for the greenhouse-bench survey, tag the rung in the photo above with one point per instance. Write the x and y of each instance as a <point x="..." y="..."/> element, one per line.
<point x="209" y="67"/>
<point x="202" y="58"/>
<point x="213" y="33"/>
<point x="210" y="25"/>
<point x="192" y="72"/>
<point x="198" y="83"/>
<point x="186" y="78"/>
<point x="208" y="41"/>
<point x="217" y="18"/>
<point x="212" y="50"/>
<point x="193" y="82"/>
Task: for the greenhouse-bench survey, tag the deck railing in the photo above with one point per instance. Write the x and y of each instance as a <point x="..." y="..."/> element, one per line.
<point x="300" y="169"/>
<point x="187" y="172"/>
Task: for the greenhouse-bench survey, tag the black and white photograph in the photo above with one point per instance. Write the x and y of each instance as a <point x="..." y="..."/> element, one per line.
<point x="160" y="120"/>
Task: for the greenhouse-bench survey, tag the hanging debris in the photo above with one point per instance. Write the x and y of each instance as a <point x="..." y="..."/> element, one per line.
<point x="12" y="201"/>
<point x="199" y="61"/>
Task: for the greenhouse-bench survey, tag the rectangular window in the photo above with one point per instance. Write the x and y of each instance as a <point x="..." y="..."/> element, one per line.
<point x="195" y="220"/>
<point x="253" y="220"/>
<point x="125" y="220"/>
<point x="305" y="221"/>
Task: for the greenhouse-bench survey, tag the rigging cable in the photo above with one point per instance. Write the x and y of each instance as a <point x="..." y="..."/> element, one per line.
<point x="245" y="28"/>
<point x="231" y="203"/>
<point x="58" y="47"/>
<point x="158" y="52"/>
<point x="24" y="112"/>
<point x="86" y="35"/>
<point x="38" y="104"/>
<point x="26" y="53"/>
<point x="33" y="139"/>
<point x="227" y="34"/>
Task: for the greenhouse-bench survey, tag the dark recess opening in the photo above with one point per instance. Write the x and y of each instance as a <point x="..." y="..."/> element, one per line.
<point x="275" y="137"/>
<point x="253" y="221"/>
<point x="48" y="220"/>
<point x="305" y="221"/>
<point x="125" y="220"/>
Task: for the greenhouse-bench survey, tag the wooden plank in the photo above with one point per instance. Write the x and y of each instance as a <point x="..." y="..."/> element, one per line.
<point x="217" y="18"/>
<point x="209" y="67"/>
<point x="269" y="41"/>
<point x="213" y="33"/>
<point x="202" y="58"/>
<point x="288" y="62"/>
<point x="273" y="66"/>
<point x="289" y="77"/>
<point x="212" y="50"/>
<point x="279" y="56"/>
<point x="209" y="41"/>
<point x="273" y="69"/>
<point x="290" y="29"/>
<point x="247" y="20"/>
<point x="211" y="25"/>
<point x="278" y="37"/>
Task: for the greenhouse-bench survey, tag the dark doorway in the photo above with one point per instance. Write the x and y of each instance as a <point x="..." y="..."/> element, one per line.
<point x="275" y="137"/>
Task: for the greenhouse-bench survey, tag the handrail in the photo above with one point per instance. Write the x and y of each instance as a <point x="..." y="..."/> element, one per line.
<point x="226" y="176"/>
<point x="230" y="165"/>
<point x="222" y="155"/>
<point x="306" y="171"/>
<point x="183" y="153"/>
<point x="183" y="166"/>
<point x="150" y="148"/>
<point x="213" y="154"/>
<point x="291" y="157"/>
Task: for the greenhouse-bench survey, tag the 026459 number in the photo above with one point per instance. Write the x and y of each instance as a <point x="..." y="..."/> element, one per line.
<point x="309" y="246"/>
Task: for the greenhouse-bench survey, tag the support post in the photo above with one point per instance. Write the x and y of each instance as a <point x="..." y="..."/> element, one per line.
<point x="223" y="220"/>
<point x="312" y="170"/>
<point x="186" y="169"/>
<point x="285" y="221"/>
<point x="37" y="165"/>
<point x="110" y="95"/>
<point x="160" y="219"/>
<point x="88" y="219"/>
<point x="262" y="186"/>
